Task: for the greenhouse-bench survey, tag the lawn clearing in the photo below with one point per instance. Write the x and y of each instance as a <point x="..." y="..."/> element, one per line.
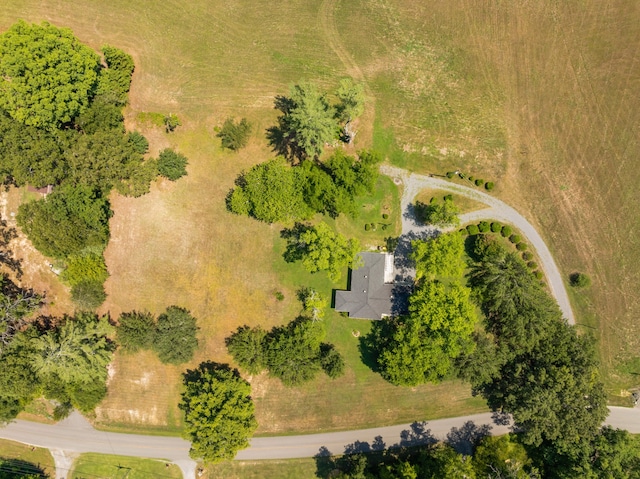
<point x="464" y="204"/>
<point x="120" y="467"/>
<point x="23" y="455"/>
<point x="275" y="469"/>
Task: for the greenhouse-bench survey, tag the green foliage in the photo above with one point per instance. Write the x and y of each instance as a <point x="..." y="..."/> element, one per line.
<point x="269" y="192"/>
<point x="351" y="100"/>
<point x="88" y="295"/>
<point x="171" y="122"/>
<point x="521" y="246"/>
<point x="439" y="256"/>
<point x="496" y="227"/>
<point x="48" y="76"/>
<point x="484" y="227"/>
<point x="16" y="304"/>
<point x="504" y="457"/>
<point x="75" y="352"/>
<point x="313" y="302"/>
<point x="331" y="361"/>
<point x="234" y="135"/>
<point x="219" y="414"/>
<point x="489" y="185"/>
<point x="320" y="249"/>
<point x="175" y="340"/>
<point x="506" y="231"/>
<point x="422" y="348"/>
<point x="307" y="123"/>
<point x="527" y="255"/>
<point x="246" y="345"/>
<point x="139" y="180"/>
<point x="66" y="221"/>
<point x="579" y="280"/>
<point x="532" y="265"/>
<point x="100" y="116"/>
<point x="172" y="165"/>
<point x="139" y="143"/>
<point x="450" y="174"/>
<point x="538" y="274"/>
<point x="136" y="330"/>
<point x="20" y="469"/>
<point x="116" y="79"/>
<point x="472" y="230"/>
<point x="515" y="238"/>
<point x="85" y="266"/>
<point x="479" y="182"/>
<point x="438" y="213"/>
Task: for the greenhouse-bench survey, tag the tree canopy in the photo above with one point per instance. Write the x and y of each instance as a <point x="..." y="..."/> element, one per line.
<point x="175" y="339"/>
<point x="442" y="256"/>
<point x="438" y="213"/>
<point x="218" y="412"/>
<point x="320" y="249"/>
<point x="48" y="76"/>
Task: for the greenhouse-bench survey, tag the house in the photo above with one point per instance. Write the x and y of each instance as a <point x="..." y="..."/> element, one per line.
<point x="373" y="294"/>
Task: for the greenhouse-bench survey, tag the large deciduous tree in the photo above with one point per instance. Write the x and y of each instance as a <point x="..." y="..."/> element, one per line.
<point x="175" y="340"/>
<point x="438" y="257"/>
<point x="47" y="77"/>
<point x="320" y="249"/>
<point x="218" y="412"/>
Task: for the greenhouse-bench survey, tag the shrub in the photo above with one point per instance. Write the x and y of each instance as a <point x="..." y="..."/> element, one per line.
<point x="514" y="238"/>
<point x="88" y="295"/>
<point x="532" y="265"/>
<point x="579" y="280"/>
<point x="448" y="198"/>
<point x="367" y="227"/>
<point x="234" y="135"/>
<point x="385" y="216"/>
<point x="461" y="175"/>
<point x="479" y="182"/>
<point x="496" y="227"/>
<point x="506" y="231"/>
<point x="279" y="296"/>
<point x="521" y="246"/>
<point x="331" y="361"/>
<point x="136" y="330"/>
<point x="450" y="174"/>
<point x="138" y="141"/>
<point x="85" y="267"/>
<point x="463" y="231"/>
<point x="471" y="178"/>
<point x="538" y="274"/>
<point x="484" y="227"/>
<point x="527" y="255"/>
<point x="171" y="122"/>
<point x="172" y="165"/>
<point x="472" y="230"/>
<point x="489" y="185"/>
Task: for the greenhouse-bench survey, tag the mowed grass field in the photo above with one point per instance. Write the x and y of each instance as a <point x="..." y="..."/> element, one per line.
<point x="537" y="97"/>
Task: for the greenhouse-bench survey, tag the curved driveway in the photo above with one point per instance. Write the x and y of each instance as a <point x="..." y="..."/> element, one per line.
<point x="497" y="210"/>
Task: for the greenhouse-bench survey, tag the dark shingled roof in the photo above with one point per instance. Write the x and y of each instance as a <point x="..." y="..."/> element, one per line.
<point x="370" y="297"/>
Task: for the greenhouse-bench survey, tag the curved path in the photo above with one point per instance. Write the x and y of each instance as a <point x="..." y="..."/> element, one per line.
<point x="497" y="210"/>
<point x="75" y="435"/>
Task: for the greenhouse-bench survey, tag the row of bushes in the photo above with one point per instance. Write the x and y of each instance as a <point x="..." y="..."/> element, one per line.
<point x="489" y="185"/>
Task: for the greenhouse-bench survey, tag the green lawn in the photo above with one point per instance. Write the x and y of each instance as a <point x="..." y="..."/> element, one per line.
<point x="276" y="469"/>
<point x="94" y="466"/>
<point x="23" y="457"/>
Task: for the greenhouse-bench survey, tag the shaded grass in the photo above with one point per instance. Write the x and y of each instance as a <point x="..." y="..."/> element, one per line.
<point x="16" y="451"/>
<point x="466" y="205"/>
<point x="115" y="467"/>
<point x="274" y="469"/>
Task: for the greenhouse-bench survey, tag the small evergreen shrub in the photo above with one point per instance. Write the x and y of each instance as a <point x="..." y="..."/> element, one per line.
<point x="367" y="227"/>
<point x="506" y="231"/>
<point x="489" y="185"/>
<point x="138" y="141"/>
<point x="172" y="165"/>
<point x="521" y="246"/>
<point x="479" y="182"/>
<point x="579" y="280"/>
<point x="527" y="256"/>
<point x="463" y="231"/>
<point x="448" y="197"/>
<point x="538" y="274"/>
<point x="171" y="122"/>
<point x="471" y="178"/>
<point x="279" y="296"/>
<point x="496" y="227"/>
<point x="234" y="135"/>
<point x="450" y="174"/>
<point x="385" y="216"/>
<point x="484" y="227"/>
<point x="532" y="265"/>
<point x="472" y="230"/>
<point x="514" y="238"/>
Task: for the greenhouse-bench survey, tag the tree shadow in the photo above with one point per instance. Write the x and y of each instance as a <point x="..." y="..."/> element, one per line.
<point x="417" y="435"/>
<point x="465" y="439"/>
<point x="280" y="137"/>
<point x="20" y="468"/>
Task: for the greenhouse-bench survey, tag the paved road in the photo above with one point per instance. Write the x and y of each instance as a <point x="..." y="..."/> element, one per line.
<point x="497" y="210"/>
<point x="75" y="436"/>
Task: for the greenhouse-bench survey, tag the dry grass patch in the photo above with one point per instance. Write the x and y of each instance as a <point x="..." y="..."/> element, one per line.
<point x="466" y="205"/>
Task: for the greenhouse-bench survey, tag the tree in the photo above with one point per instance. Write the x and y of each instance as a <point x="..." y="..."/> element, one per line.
<point x="66" y="221"/>
<point x="246" y="346"/>
<point x="16" y="304"/>
<point x="48" y="76"/>
<point x="171" y="122"/>
<point x="331" y="361"/>
<point x="77" y="351"/>
<point x="312" y="302"/>
<point x="136" y="330"/>
<point x="88" y="294"/>
<point x="172" y="165"/>
<point x="307" y="123"/>
<point x="351" y="100"/>
<point x="441" y="256"/>
<point x="114" y="81"/>
<point x="176" y="340"/>
<point x="320" y="249"/>
<point x="579" y="280"/>
<point x="218" y="411"/>
<point x="442" y="214"/>
<point x="502" y="457"/>
<point x="85" y="266"/>
<point x="422" y="347"/>
<point x="234" y="135"/>
<point x="269" y="192"/>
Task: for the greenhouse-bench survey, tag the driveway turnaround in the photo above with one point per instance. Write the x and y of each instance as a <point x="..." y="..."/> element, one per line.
<point x="497" y="210"/>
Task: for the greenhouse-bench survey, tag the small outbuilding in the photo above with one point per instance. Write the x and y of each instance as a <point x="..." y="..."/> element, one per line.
<point x="373" y="293"/>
